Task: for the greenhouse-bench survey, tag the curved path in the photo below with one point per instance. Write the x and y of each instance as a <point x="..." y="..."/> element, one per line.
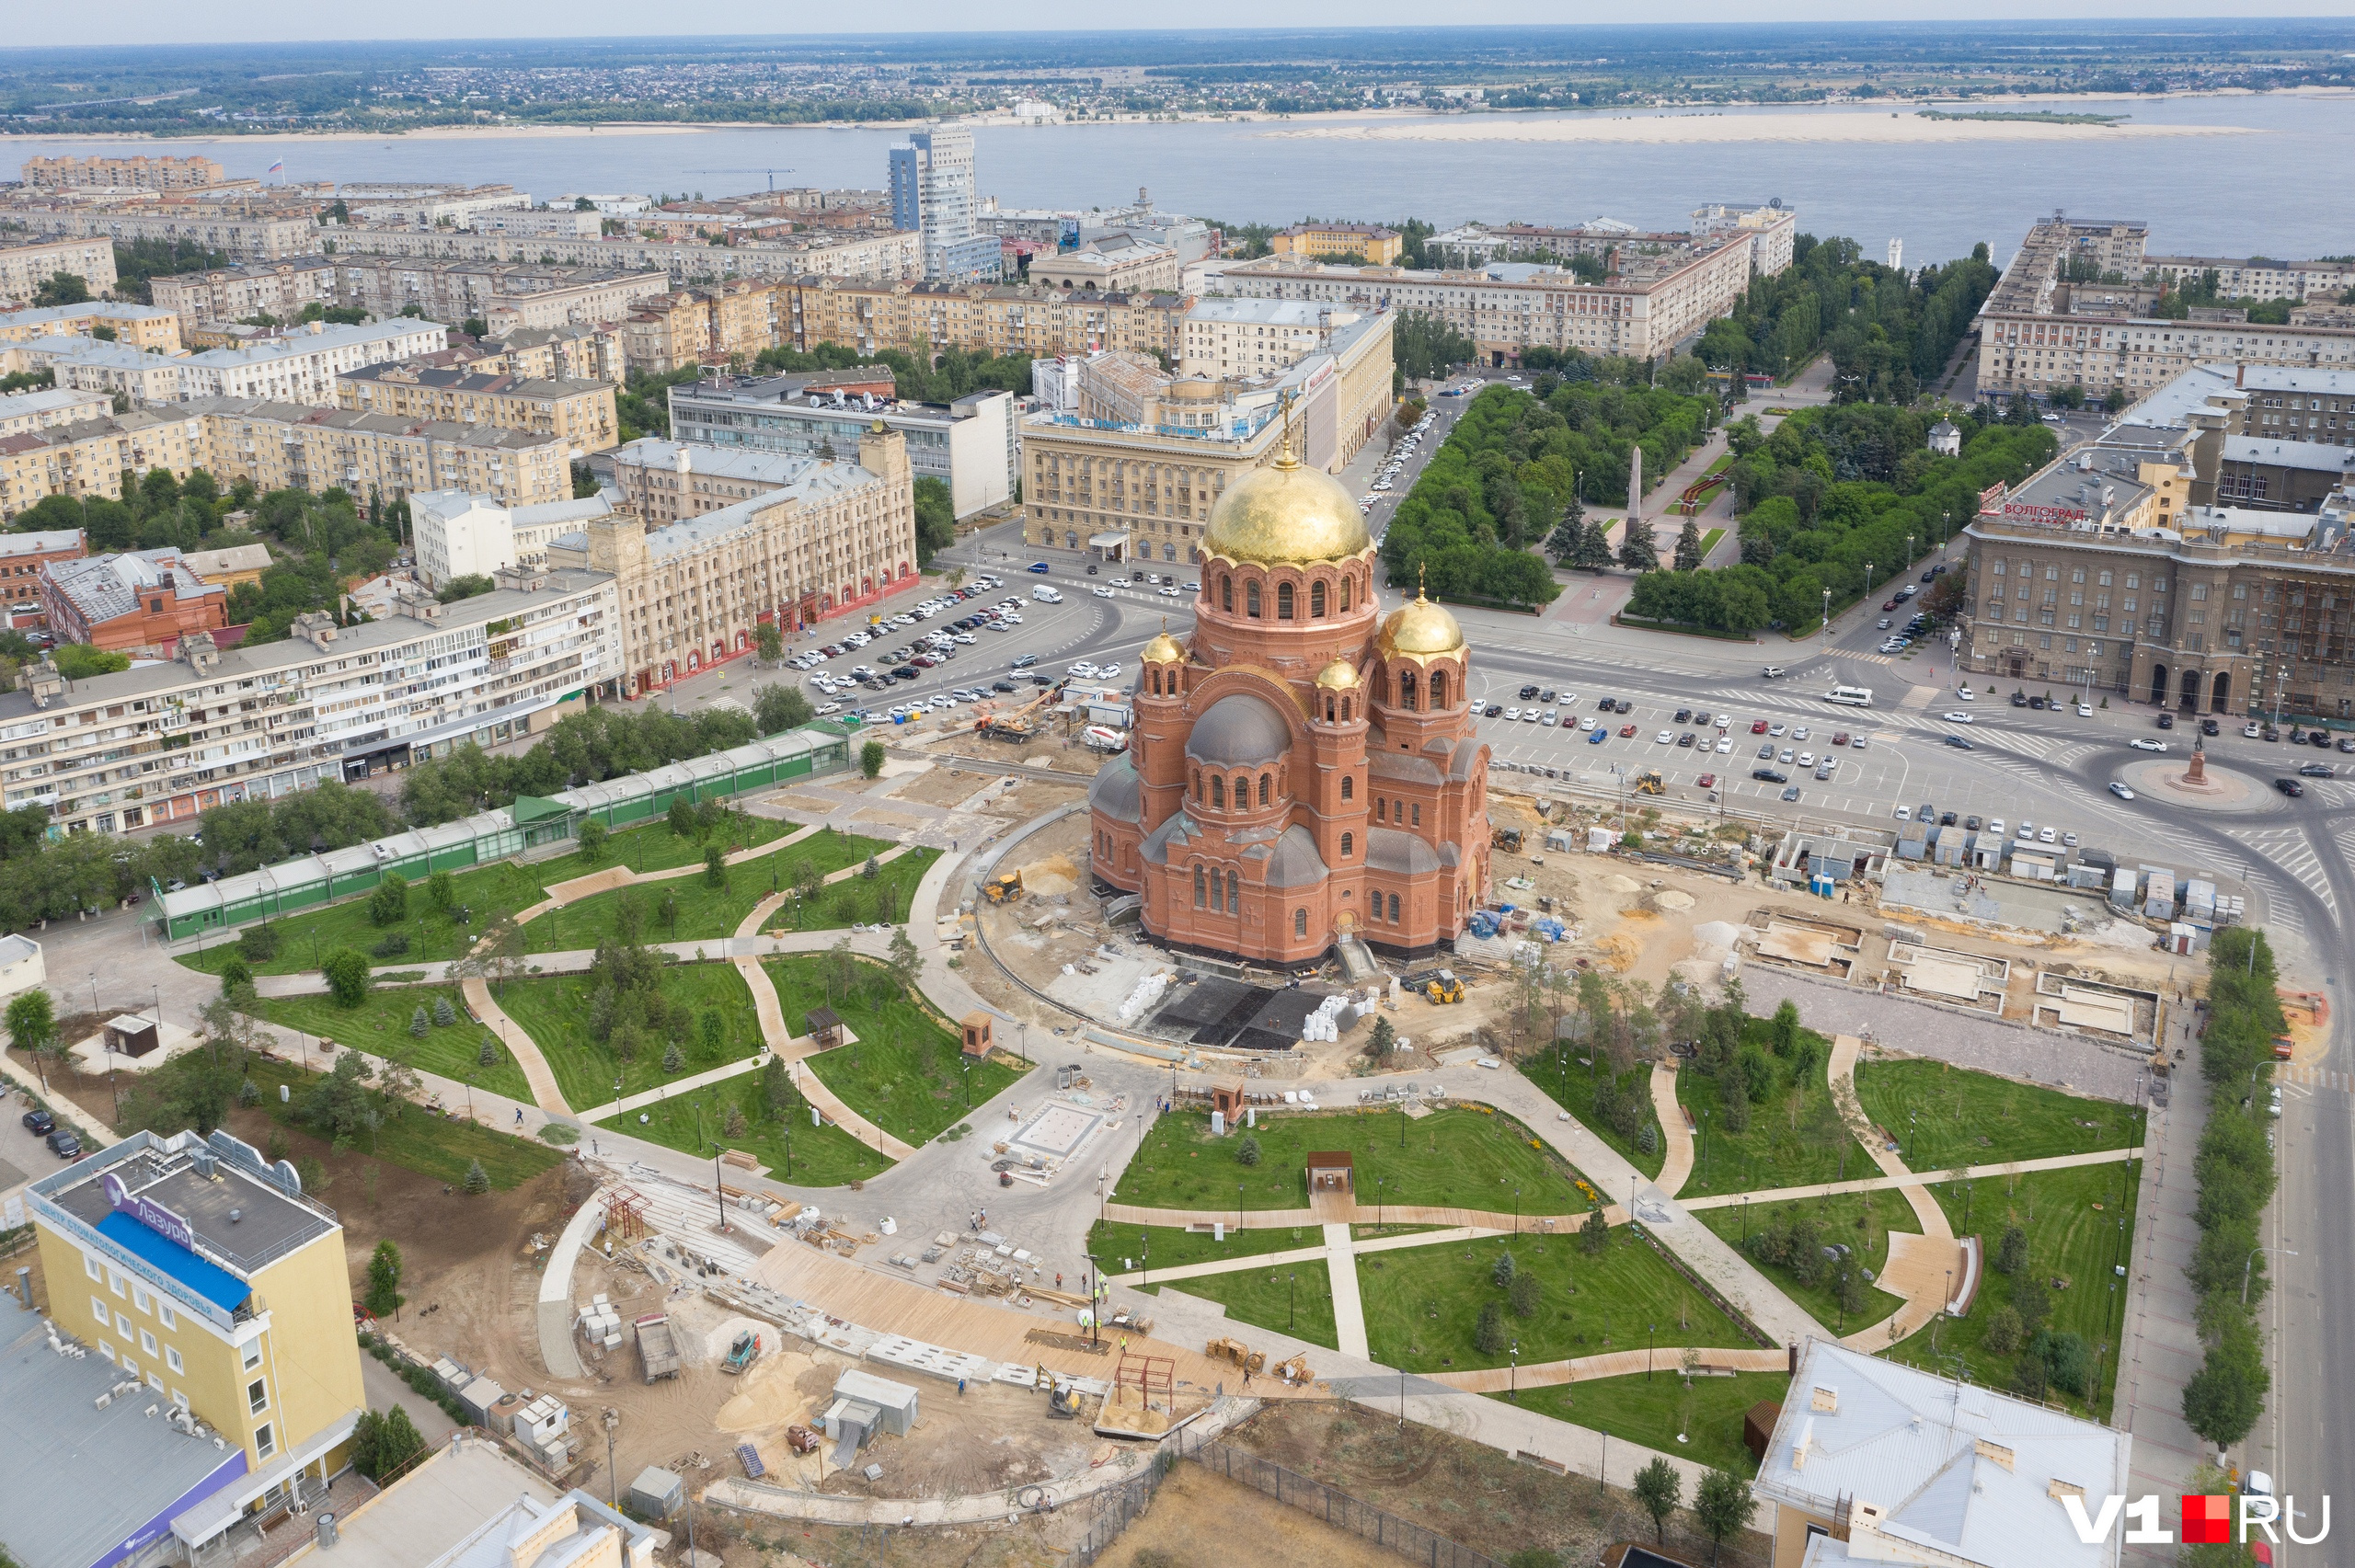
<point x="1924" y="1267"/>
<point x="1678" y="1168"/>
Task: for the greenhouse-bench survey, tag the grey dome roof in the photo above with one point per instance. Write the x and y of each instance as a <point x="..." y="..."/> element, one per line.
<point x="1118" y="791"/>
<point x="1239" y="731"/>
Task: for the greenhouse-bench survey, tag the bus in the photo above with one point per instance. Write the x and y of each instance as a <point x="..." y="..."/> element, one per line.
<point x="1852" y="696"/>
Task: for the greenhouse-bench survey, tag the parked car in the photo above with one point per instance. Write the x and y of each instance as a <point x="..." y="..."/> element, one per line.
<point x="38" y="1122"/>
<point x="63" y="1144"/>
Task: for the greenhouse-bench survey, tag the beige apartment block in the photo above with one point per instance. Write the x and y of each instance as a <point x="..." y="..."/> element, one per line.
<point x="25" y="268"/>
<point x="132" y="325"/>
<point x="836" y="538"/>
<point x="280" y="288"/>
<point x="282" y="444"/>
<point x="886" y="254"/>
<point x="90" y="458"/>
<point x="1370" y="243"/>
<point x="580" y="412"/>
<point x="45" y="406"/>
<point x="996" y="319"/>
<point x="556" y="353"/>
<point x="240" y="239"/>
<point x="140" y="173"/>
<point x="1113" y="264"/>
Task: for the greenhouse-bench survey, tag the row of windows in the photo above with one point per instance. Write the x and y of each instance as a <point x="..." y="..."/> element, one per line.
<point x="1286" y="601"/>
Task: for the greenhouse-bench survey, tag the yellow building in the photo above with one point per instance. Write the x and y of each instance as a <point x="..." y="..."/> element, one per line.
<point x="201" y="1271"/>
<point x="90" y="458"/>
<point x="282" y="444"/>
<point x="134" y="326"/>
<point x="1376" y="246"/>
<point x="579" y="412"/>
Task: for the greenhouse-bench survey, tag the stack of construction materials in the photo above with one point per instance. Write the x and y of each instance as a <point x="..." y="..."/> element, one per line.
<point x="601" y="1323"/>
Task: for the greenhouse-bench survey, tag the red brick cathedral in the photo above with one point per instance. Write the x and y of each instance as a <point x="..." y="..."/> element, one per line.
<point x="1307" y="769"/>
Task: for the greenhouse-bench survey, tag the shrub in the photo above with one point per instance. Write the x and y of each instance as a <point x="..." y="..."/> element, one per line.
<point x="388" y="905"/>
<point x="2011" y="1252"/>
<point x="347" y="975"/>
<point x="235" y="973"/>
<point x="870" y="759"/>
<point x="592" y="841"/>
<point x="1524" y="1295"/>
<point x="714" y="866"/>
<point x="1247" y="1151"/>
<point x="258" y="943"/>
<point x="2003" y="1331"/>
<point x="477" y="1179"/>
<point x="392" y="945"/>
<point x="1488" y="1334"/>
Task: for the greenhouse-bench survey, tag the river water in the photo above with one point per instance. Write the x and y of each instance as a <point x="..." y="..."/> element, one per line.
<point x="2270" y="190"/>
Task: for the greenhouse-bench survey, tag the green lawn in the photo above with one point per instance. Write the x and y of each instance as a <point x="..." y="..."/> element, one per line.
<point x="789" y="1147"/>
<point x="2067" y="1238"/>
<point x="554" y="1010"/>
<point x="433" y="1146"/>
<point x="1848" y="1219"/>
<point x="905" y="1073"/>
<point x="304" y="939"/>
<point x="654" y="847"/>
<point x="1120" y="1248"/>
<point x="1422" y="1303"/>
<point x="1461" y="1158"/>
<point x="1652" y="1411"/>
<point x="705" y="912"/>
<point x="1794" y="1137"/>
<point x="380" y="1026"/>
<point x="1290" y="1297"/>
<point x="1709" y="543"/>
<point x="1573" y="1091"/>
<point x="857" y="901"/>
<point x="1945" y="1116"/>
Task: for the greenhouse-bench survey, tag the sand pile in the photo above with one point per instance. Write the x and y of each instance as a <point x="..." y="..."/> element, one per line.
<point x="1048" y="878"/>
<point x="767" y="1396"/>
<point x="1668" y="899"/>
<point x="1615" y="883"/>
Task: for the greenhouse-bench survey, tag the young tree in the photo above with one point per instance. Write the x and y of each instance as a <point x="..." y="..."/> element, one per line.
<point x="443" y="1013"/>
<point x="1524" y="1295"/>
<point x="383" y="1297"/>
<point x="1382" y="1041"/>
<point x="870" y="759"/>
<point x="2002" y="1336"/>
<point x="1488" y="1333"/>
<point x="768" y="643"/>
<point x="776" y="708"/>
<point x="711" y="1033"/>
<point x="871" y="870"/>
<point x="416" y="1023"/>
<point x="1784" y="1027"/>
<point x="489" y="1055"/>
<point x="1636" y="551"/>
<point x="1247" y="1151"/>
<point x="1688" y="546"/>
<point x="337" y="1105"/>
<point x="592" y="841"/>
<point x="1595" y="1233"/>
<point x="732" y="1124"/>
<point x="2011" y="1252"/>
<point x="477" y="1179"/>
<point x="714" y="866"/>
<point x="346" y="970"/>
<point x="1723" y="1506"/>
<point x="683" y="820"/>
<point x="905" y="962"/>
<point x="32" y="1028"/>
<point x="1658" y="1490"/>
<point x="672" y="1060"/>
<point x="441" y="893"/>
<point x="776" y="1088"/>
<point x="388" y="905"/>
<point x="1503" y="1269"/>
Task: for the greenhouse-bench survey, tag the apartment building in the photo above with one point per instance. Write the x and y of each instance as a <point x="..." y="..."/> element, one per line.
<point x="1249" y="337"/>
<point x="134" y="326"/>
<point x="44" y="406"/>
<point x="267" y="238"/>
<point x="2265" y="437"/>
<point x="90" y="458"/>
<point x="1653" y="303"/>
<point x="712" y="324"/>
<point x="1369" y="243"/>
<point x="553" y="353"/>
<point x="827" y="254"/>
<point x="580" y="412"/>
<point x="506" y="295"/>
<point x="461" y="535"/>
<point x="836" y="538"/>
<point x="666" y="482"/>
<point x="279" y="288"/>
<point x="428" y="206"/>
<point x="968" y="444"/>
<point x="279" y="444"/>
<point x="932" y="192"/>
<point x="25" y="268"/>
<point x="138" y="602"/>
<point x="2051" y="324"/>
<point x="23" y="559"/>
<point x="302" y="366"/>
<point x="139" y="173"/>
<point x="92" y="367"/>
<point x="163" y="742"/>
<point x="1035" y="320"/>
<point x="1115" y="263"/>
<point x="203" y="1276"/>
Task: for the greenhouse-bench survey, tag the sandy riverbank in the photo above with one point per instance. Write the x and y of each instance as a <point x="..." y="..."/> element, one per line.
<point x="1703" y="127"/>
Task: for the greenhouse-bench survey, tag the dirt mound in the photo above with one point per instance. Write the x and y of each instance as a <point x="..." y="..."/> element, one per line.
<point x="1056" y="873"/>
<point x="768" y="1395"/>
<point x="1618" y="951"/>
<point x="1617" y="883"/>
<point x="1670" y="898"/>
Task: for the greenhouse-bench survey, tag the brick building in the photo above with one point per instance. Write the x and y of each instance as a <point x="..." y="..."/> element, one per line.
<point x="140" y="602"/>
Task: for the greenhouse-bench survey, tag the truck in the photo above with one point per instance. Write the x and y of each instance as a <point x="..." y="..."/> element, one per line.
<point x="658" y="1351"/>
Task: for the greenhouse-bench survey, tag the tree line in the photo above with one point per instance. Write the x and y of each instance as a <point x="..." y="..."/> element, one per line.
<point x="1889" y="334"/>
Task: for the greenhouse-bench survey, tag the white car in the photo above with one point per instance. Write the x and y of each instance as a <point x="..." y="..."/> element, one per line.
<point x="1170" y="590"/>
<point x="964" y="638"/>
<point x="1807" y="758"/>
<point x="1552" y="719"/>
<point x="824" y="708"/>
<point x="2085" y="710"/>
<point x="1995" y="826"/>
<point x="1109" y="673"/>
<point x="2145" y="743"/>
<point x="1958" y="717"/>
<point x="1085" y="669"/>
<point x="1906" y="814"/>
<point x="1530" y="716"/>
<point x="1725" y="744"/>
<point x="2121" y="791"/>
<point x="2250" y="732"/>
<point x="2046" y="835"/>
<point x="1512" y="715"/>
<point x="1663" y="738"/>
<point x="1586" y="721"/>
<point x="1101" y="591"/>
<point x="1778" y="730"/>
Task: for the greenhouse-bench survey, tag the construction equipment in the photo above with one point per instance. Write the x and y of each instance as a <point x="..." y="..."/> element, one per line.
<point x="801" y="1439"/>
<point x="1506" y="839"/>
<point x="1003" y="889"/>
<point x="743" y="1354"/>
<point x="1444" y="987"/>
<point x="1238" y="1352"/>
<point x="657" y="1351"/>
<point x="1015" y="723"/>
<point x="1062" y="1402"/>
<point x="1294" y="1370"/>
<point x="1648" y="782"/>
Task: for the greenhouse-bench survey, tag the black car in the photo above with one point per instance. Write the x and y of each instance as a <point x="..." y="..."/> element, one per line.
<point x="2019" y="699"/>
<point x="1971" y="824"/>
<point x="2271" y="733"/>
<point x="2209" y="727"/>
<point x="1768" y="775"/>
<point x="2311" y="771"/>
<point x="1925" y="813"/>
<point x="1001" y="685"/>
<point x="1685" y="738"/>
<point x="2036" y="702"/>
<point x="1702" y="717"/>
<point x="1684" y="715"/>
<point x="2289" y="786"/>
<point x="63" y="1144"/>
<point x="1959" y="743"/>
<point x="1767" y="751"/>
<point x="2320" y="738"/>
<point x="39" y="1122"/>
<point x="1041" y="680"/>
<point x="905" y="672"/>
<point x="1527" y="693"/>
<point x="1546" y="695"/>
<point x="1945" y="818"/>
<point x="2167" y="721"/>
<point x="1792" y="793"/>
<point x="1494" y="709"/>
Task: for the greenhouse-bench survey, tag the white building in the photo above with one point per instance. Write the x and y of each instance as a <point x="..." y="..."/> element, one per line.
<point x="22" y="968"/>
<point x="932" y="192"/>
<point x="44" y="406"/>
<point x="459" y="535"/>
<point x="1256" y="338"/>
<point x="302" y="366"/>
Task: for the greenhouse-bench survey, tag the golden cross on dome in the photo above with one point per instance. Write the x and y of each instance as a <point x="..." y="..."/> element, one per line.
<point x="1286" y="457"/>
<point x="1421" y="568"/>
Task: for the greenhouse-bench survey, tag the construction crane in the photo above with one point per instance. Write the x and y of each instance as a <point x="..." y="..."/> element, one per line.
<point x="772" y="174"/>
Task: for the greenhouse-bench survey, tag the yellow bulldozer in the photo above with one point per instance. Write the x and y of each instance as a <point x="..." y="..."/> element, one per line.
<point x="1444" y="987"/>
<point x="1648" y="782"/>
<point x="1003" y="888"/>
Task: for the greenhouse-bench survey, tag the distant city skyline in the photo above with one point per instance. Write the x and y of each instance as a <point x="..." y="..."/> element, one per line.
<point x="153" y="22"/>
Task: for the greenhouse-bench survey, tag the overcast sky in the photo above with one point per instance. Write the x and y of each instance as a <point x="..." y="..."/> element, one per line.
<point x="230" y="21"/>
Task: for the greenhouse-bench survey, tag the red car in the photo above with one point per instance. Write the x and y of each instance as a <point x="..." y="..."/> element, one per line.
<point x="1707" y="781"/>
<point x="1758" y="726"/>
<point x="1626" y="731"/>
<point x="1841" y="738"/>
<point x="1890" y="605"/>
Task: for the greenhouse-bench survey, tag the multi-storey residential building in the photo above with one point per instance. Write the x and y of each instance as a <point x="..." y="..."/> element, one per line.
<point x="559" y="223"/>
<point x="826" y="254"/>
<point x="925" y="318"/>
<point x="838" y="537"/>
<point x="90" y="458"/>
<point x="210" y="1283"/>
<point x="578" y="412"/>
<point x="461" y="535"/>
<point x="163" y="742"/>
<point x="279" y="288"/>
<point x="23" y="559"/>
<point x="667" y="481"/>
<point x="1115" y="263"/>
<point x="141" y="602"/>
<point x="92" y="367"/>
<point x="555" y="353"/>
<point x="238" y="238"/>
<point x="1369" y="243"/>
<point x="1252" y="337"/>
<point x="2051" y="324"/>
<point x="2266" y="438"/>
<point x="302" y="366"/>
<point x="1654" y="302"/>
<point x="136" y="327"/>
<point x="713" y="324"/>
<point x="139" y="173"/>
<point x="932" y="192"/>
<point x="428" y="206"/>
<point x="506" y="296"/>
<point x="44" y="406"/>
<point x="969" y="444"/>
<point x="280" y="445"/>
<point x="25" y="268"/>
<point x="2072" y="578"/>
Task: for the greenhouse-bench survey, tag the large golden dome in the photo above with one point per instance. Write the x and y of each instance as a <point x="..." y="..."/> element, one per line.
<point x="1286" y="513"/>
<point x="1421" y="629"/>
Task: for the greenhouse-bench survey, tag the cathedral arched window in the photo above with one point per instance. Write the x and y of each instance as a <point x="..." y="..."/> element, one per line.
<point x="1382" y="808"/>
<point x="1439" y="688"/>
<point x="1200" y="890"/>
<point x="1394" y="909"/>
<point x="1218" y="792"/>
<point x="1198" y="786"/>
<point x="1345" y="594"/>
<point x="1299" y="922"/>
<point x="1242" y="792"/>
<point x="1349" y="788"/>
<point x="1406" y="689"/>
<point x="1283" y="601"/>
<point x="1251" y="599"/>
<point x="1263" y="789"/>
<point x="1349" y="845"/>
<point x="1226" y="593"/>
<point x="1316" y="600"/>
<point x="1329" y="708"/>
<point x="1234" y="892"/>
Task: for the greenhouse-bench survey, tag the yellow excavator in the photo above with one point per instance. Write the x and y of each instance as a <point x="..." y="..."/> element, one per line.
<point x="1003" y="889"/>
<point x="1648" y="782"/>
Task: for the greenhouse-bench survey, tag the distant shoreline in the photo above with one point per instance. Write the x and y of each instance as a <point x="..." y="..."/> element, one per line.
<point x="1403" y="119"/>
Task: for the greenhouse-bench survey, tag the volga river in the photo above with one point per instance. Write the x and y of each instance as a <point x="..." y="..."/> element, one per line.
<point x="2277" y="182"/>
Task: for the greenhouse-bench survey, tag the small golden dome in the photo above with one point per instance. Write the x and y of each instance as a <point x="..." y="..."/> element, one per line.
<point x="1338" y="676"/>
<point x="1421" y="629"/>
<point x="1164" y="649"/>
<point x="1286" y="514"/>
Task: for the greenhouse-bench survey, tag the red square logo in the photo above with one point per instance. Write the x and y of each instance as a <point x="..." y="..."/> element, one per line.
<point x="2207" y="1519"/>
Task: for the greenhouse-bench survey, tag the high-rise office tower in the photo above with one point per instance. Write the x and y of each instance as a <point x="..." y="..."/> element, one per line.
<point x="931" y="191"/>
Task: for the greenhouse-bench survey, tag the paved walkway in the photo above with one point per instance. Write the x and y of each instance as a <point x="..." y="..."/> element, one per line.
<point x="1666" y="1361"/>
<point x="1678" y="1167"/>
<point x="1884" y="1183"/>
<point x="1349" y="1307"/>
<point x="1921" y="1267"/>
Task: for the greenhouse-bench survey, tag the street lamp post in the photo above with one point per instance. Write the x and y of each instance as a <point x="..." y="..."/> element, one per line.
<point x="1512" y="1378"/>
<point x="1827" y="618"/>
<point x="2251" y="1263"/>
<point x="1650" y="1330"/>
<point x="1292" y="1290"/>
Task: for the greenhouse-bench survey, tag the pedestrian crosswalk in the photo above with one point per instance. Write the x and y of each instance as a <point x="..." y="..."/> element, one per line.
<point x="2290" y="849"/>
<point x="2317" y="1077"/>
